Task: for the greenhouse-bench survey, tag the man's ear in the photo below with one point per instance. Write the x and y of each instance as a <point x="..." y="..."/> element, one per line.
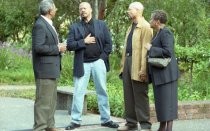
<point x="49" y="11"/>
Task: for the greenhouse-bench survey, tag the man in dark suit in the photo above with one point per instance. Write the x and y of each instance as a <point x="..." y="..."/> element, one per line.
<point x="46" y="52"/>
<point x="91" y="41"/>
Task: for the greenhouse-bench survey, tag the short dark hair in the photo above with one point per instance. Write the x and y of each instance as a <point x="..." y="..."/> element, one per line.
<point x="160" y="15"/>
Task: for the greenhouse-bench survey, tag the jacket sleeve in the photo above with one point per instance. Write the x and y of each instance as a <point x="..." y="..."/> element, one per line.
<point x="146" y="38"/>
<point x="108" y="40"/>
<point x="41" y="43"/>
<point x="72" y="43"/>
<point x="166" y="48"/>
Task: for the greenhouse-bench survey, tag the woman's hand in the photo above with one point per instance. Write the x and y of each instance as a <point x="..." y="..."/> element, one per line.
<point x="148" y="46"/>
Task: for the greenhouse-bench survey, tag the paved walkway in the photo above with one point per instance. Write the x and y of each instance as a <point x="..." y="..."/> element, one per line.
<point x="16" y="114"/>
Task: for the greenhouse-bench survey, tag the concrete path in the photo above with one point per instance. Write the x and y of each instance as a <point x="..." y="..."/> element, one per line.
<point x="16" y="114"/>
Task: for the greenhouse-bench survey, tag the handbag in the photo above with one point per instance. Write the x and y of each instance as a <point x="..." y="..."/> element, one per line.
<point x="159" y="62"/>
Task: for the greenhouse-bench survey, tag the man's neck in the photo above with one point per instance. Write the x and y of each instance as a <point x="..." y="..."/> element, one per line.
<point x="48" y="16"/>
<point x="87" y="19"/>
<point x="136" y="19"/>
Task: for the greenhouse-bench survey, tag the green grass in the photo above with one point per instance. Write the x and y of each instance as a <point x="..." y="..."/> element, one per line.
<point x="15" y="69"/>
<point x="17" y="77"/>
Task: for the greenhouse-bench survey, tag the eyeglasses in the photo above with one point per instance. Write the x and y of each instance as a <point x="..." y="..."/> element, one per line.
<point x="55" y="9"/>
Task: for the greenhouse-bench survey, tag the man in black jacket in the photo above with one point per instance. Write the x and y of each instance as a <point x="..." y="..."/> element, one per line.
<point x="91" y="41"/>
<point x="46" y="51"/>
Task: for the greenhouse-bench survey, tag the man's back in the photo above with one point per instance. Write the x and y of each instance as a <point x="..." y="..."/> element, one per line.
<point x="46" y="56"/>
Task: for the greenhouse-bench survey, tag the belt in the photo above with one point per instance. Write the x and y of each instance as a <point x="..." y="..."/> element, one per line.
<point x="128" y="54"/>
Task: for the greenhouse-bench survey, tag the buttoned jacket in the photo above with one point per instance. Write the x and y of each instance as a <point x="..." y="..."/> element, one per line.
<point x="163" y="47"/>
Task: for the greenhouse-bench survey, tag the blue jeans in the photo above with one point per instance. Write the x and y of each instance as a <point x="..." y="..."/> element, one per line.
<point x="98" y="71"/>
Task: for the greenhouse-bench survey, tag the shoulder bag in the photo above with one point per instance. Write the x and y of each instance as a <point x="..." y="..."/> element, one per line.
<point x="159" y="62"/>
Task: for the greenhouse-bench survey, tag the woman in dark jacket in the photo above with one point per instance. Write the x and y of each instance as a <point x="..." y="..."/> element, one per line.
<point x="164" y="80"/>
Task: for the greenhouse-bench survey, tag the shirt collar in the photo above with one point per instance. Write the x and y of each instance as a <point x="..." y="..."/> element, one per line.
<point x="89" y="22"/>
<point x="48" y="20"/>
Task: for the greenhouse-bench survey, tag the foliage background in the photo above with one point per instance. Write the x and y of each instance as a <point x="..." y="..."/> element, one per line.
<point x="188" y="19"/>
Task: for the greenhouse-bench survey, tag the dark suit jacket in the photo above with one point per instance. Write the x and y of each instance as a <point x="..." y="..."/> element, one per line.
<point x="163" y="47"/>
<point x="46" y="56"/>
<point x="75" y="42"/>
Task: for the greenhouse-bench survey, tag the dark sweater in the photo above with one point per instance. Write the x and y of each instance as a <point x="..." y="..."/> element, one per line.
<point x="92" y="51"/>
<point x="129" y="39"/>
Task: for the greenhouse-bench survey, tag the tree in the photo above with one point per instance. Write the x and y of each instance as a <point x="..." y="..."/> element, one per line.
<point x="16" y="20"/>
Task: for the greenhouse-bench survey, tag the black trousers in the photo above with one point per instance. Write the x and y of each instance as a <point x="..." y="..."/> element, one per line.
<point x="135" y="98"/>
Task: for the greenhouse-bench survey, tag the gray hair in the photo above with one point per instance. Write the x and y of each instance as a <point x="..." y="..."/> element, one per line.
<point x="45" y="6"/>
<point x="160" y="15"/>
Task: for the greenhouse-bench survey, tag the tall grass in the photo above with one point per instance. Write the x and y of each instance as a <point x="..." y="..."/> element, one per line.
<point x="15" y="69"/>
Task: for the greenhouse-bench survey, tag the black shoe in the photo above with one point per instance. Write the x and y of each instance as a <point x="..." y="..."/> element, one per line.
<point x="110" y="124"/>
<point x="72" y="126"/>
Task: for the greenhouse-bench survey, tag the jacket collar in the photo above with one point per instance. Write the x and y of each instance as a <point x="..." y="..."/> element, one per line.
<point x="55" y="35"/>
<point x="140" y="22"/>
<point x="96" y="27"/>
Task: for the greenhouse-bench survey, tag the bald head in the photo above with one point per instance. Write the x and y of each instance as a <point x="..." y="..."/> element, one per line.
<point x="85" y="11"/>
<point x="135" y="10"/>
<point x="136" y="5"/>
<point x="85" y="4"/>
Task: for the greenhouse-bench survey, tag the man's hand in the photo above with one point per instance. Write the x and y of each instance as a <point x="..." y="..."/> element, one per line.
<point x="89" y="40"/>
<point x="62" y="47"/>
<point x="143" y="77"/>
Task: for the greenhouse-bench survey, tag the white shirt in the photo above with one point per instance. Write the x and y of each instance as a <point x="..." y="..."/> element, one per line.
<point x="51" y="23"/>
<point x="48" y="20"/>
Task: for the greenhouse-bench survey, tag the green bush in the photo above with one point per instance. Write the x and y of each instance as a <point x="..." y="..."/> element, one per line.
<point x="66" y="77"/>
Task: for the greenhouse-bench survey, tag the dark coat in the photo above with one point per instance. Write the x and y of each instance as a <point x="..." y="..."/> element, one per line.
<point x="75" y="42"/>
<point x="46" y="56"/>
<point x="163" y="47"/>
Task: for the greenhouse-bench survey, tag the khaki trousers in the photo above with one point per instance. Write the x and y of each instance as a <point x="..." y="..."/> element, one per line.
<point x="45" y="104"/>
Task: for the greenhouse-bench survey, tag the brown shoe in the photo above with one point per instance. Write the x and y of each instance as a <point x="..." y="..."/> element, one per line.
<point x="127" y="128"/>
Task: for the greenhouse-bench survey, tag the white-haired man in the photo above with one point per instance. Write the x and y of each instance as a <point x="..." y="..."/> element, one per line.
<point x="134" y="71"/>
